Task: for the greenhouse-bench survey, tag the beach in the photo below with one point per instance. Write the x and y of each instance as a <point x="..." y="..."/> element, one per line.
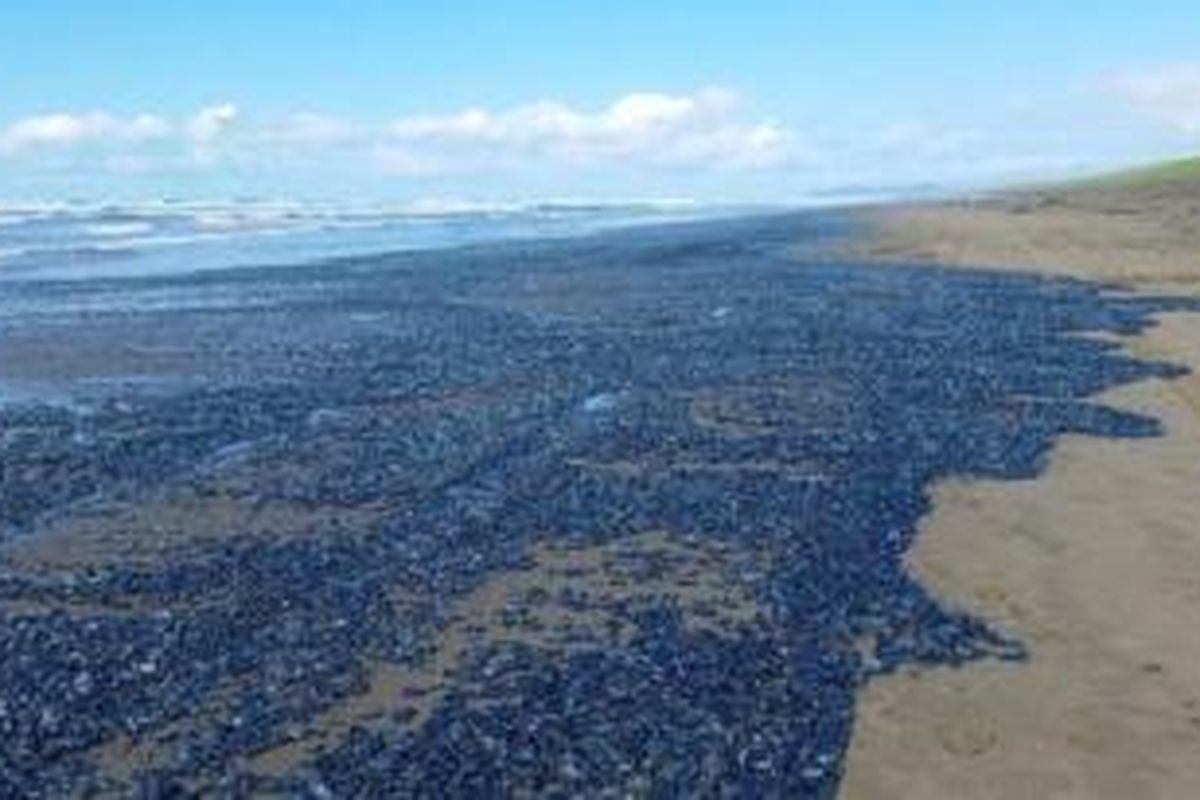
<point x="795" y="401"/>
<point x="652" y="509"/>
<point x="1094" y="564"/>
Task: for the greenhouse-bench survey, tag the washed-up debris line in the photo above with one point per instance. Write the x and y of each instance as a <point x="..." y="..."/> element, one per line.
<point x="615" y="517"/>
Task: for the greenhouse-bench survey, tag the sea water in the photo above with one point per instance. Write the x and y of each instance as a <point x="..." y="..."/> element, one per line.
<point x="79" y="240"/>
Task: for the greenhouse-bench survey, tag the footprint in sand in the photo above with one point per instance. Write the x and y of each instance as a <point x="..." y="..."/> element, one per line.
<point x="969" y="734"/>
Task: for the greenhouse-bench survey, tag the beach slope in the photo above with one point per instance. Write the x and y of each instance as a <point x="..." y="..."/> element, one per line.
<point x="1095" y="565"/>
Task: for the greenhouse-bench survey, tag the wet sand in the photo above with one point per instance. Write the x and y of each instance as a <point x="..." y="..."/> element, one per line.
<point x="1095" y="565"/>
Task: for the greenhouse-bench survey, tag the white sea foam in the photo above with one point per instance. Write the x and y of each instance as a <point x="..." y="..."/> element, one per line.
<point x="106" y="230"/>
<point x="166" y="236"/>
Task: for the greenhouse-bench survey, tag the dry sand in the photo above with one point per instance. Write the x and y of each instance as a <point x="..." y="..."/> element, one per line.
<point x="1095" y="565"/>
<point x="1144" y="235"/>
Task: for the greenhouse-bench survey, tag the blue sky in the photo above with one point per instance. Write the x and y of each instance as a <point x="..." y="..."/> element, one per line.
<point x="517" y="100"/>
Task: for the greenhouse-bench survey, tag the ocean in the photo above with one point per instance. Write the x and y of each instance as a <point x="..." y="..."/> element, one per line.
<point x="78" y="240"/>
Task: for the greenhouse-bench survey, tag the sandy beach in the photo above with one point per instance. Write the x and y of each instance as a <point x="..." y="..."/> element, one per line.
<point x="479" y="521"/>
<point x="772" y="401"/>
<point x="1095" y="565"/>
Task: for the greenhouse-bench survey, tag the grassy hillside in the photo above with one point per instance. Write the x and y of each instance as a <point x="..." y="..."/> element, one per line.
<point x="1181" y="170"/>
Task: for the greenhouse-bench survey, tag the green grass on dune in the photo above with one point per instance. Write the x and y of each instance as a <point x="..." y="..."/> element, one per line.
<point x="1166" y="172"/>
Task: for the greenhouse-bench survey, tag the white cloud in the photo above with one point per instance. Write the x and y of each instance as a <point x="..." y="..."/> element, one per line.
<point x="472" y="122"/>
<point x="65" y="130"/>
<point x="396" y="159"/>
<point x="1170" y="94"/>
<point x="312" y="130"/>
<point x="638" y="129"/>
<point x="59" y="130"/>
<point x="702" y="131"/>
<point x="208" y="123"/>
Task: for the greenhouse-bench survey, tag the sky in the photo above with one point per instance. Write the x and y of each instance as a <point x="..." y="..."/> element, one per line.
<point x="750" y="101"/>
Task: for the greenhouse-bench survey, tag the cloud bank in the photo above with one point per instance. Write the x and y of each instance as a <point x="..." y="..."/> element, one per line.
<point x="651" y="129"/>
<point x="641" y="130"/>
<point x="65" y="130"/>
<point x="101" y="132"/>
<point x="705" y="142"/>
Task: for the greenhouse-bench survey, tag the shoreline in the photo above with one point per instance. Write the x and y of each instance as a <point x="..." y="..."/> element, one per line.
<point x="510" y="399"/>
<point x="1093" y="564"/>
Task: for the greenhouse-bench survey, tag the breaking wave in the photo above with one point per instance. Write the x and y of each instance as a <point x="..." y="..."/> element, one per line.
<point x="58" y="240"/>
